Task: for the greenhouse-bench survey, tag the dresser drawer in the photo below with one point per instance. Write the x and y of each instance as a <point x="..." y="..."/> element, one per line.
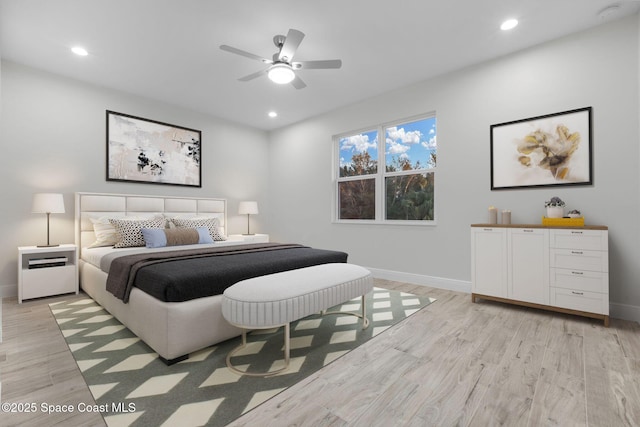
<point x="579" y="259"/>
<point x="594" y="240"/>
<point x="583" y="281"/>
<point x="591" y="302"/>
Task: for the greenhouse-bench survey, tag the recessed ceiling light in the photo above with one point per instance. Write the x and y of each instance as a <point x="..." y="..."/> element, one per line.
<point x="273" y="114"/>
<point x="80" y="51"/>
<point x="509" y="24"/>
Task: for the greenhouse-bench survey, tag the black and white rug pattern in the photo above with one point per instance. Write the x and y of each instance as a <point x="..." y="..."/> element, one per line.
<point x="133" y="387"/>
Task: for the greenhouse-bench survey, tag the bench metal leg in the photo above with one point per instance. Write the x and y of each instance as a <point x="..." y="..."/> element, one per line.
<point x="287" y="353"/>
<point x="363" y="316"/>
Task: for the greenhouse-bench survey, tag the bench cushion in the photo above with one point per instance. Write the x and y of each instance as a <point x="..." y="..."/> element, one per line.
<point x="280" y="298"/>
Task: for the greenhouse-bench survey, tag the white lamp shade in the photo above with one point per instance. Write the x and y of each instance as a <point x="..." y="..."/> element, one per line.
<point x="281" y="74"/>
<point x="248" y="208"/>
<point x="48" y="203"/>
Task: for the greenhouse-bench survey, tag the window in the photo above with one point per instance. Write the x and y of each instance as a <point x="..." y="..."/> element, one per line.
<point x="402" y="191"/>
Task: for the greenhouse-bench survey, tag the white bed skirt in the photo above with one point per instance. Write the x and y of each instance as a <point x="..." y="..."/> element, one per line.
<point x="171" y="329"/>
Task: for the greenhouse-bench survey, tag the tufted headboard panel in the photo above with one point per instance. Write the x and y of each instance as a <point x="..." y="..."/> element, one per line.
<point x="96" y="205"/>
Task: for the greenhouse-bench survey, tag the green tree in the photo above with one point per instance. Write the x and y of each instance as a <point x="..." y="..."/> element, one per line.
<point x="409" y="197"/>
<point x="361" y="164"/>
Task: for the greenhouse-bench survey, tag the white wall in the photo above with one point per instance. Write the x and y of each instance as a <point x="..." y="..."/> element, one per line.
<point x="53" y="138"/>
<point x="597" y="68"/>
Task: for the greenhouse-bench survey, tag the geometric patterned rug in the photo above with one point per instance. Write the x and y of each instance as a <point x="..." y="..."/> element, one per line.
<point x="133" y="387"/>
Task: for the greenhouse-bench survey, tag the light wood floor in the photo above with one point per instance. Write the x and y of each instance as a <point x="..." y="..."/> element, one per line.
<point x="452" y="363"/>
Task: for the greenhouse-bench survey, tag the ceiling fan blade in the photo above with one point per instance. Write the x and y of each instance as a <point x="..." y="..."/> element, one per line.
<point x="298" y="83"/>
<point x="245" y="54"/>
<point x="253" y="76"/>
<point x="291" y="43"/>
<point x="316" y="65"/>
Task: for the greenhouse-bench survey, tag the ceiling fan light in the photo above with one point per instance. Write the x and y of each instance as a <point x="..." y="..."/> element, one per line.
<point x="281" y="74"/>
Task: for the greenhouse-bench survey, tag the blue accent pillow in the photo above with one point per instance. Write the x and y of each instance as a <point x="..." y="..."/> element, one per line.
<point x="159" y="237"/>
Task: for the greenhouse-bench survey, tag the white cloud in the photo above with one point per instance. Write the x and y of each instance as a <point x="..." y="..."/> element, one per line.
<point x="396" y="148"/>
<point x="431" y="144"/>
<point x="359" y="143"/>
<point x="399" y="135"/>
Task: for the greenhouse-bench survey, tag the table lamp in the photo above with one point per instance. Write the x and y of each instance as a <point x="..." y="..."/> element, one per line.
<point x="248" y="208"/>
<point x="48" y="203"/>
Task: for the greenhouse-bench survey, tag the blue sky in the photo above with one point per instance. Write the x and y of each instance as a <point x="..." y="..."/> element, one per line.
<point x="414" y="141"/>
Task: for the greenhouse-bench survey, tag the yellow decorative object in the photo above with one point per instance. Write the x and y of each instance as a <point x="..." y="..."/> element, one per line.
<point x="563" y="222"/>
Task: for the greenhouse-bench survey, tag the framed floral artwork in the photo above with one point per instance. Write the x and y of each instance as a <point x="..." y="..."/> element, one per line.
<point x="554" y="149"/>
<point x="148" y="151"/>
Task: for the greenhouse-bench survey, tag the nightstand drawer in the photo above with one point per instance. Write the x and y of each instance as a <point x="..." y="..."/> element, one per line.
<point x="43" y="282"/>
<point x="579" y="259"/>
<point x="583" y="281"/>
<point x="594" y="240"/>
<point x="591" y="302"/>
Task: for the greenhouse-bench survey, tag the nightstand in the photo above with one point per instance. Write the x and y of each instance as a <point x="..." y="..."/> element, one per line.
<point x="250" y="238"/>
<point x="45" y="271"/>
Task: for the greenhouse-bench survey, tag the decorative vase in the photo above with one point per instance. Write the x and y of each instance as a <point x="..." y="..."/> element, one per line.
<point x="555" y="211"/>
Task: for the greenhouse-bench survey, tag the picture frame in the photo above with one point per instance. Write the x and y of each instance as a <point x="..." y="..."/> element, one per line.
<point x="549" y="150"/>
<point x="152" y="152"/>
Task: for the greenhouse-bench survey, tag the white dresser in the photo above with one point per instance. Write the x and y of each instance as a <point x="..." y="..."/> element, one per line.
<point x="553" y="268"/>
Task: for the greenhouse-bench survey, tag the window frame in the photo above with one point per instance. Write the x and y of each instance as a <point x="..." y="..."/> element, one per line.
<point x="380" y="176"/>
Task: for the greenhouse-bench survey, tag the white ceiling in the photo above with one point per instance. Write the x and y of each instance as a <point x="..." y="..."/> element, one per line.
<point x="168" y="50"/>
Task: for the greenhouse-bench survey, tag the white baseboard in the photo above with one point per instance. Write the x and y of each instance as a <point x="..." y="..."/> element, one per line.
<point x="419" y="279"/>
<point x="7" y="291"/>
<point x="617" y="311"/>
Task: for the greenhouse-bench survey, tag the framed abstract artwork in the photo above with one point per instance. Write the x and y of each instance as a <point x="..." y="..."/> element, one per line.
<point x="554" y="149"/>
<point x="148" y="151"/>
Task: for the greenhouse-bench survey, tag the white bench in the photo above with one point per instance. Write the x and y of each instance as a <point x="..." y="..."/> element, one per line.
<point x="278" y="299"/>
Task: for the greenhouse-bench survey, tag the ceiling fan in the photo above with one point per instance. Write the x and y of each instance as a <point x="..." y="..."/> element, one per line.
<point x="282" y="68"/>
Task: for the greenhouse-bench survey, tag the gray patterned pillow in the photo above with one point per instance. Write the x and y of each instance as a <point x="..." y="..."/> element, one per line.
<point x="212" y="224"/>
<point x="130" y="231"/>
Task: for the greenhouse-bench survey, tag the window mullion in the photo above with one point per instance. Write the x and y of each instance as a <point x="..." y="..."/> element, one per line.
<point x="380" y="190"/>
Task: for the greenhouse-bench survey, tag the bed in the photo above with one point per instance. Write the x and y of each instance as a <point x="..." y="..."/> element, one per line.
<point x="171" y="328"/>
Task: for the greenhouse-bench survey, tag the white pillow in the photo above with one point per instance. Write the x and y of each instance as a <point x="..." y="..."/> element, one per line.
<point x="105" y="232"/>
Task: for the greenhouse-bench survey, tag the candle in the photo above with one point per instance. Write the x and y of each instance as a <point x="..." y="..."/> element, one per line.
<point x="506" y="217"/>
<point x="493" y="215"/>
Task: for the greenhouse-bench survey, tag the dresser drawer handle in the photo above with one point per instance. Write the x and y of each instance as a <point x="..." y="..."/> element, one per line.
<point x="527" y="231"/>
<point x="577" y="272"/>
<point x="577" y="293"/>
<point x="488" y="229"/>
<point x="576" y="232"/>
<point x="577" y="252"/>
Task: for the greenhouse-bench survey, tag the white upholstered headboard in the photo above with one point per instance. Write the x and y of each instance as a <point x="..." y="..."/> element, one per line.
<point x="96" y="205"/>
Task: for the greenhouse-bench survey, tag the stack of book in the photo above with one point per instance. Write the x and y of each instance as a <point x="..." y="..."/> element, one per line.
<point x="47" y="262"/>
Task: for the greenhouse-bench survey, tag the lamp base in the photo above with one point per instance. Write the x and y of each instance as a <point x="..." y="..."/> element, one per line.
<point x="47" y="246"/>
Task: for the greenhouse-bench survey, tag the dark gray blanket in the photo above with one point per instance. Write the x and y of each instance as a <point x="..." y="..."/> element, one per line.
<point x="183" y="275"/>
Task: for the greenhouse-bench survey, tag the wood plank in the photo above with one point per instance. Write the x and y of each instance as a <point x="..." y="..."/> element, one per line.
<point x="559" y="401"/>
<point x="612" y="398"/>
<point x="565" y="347"/>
